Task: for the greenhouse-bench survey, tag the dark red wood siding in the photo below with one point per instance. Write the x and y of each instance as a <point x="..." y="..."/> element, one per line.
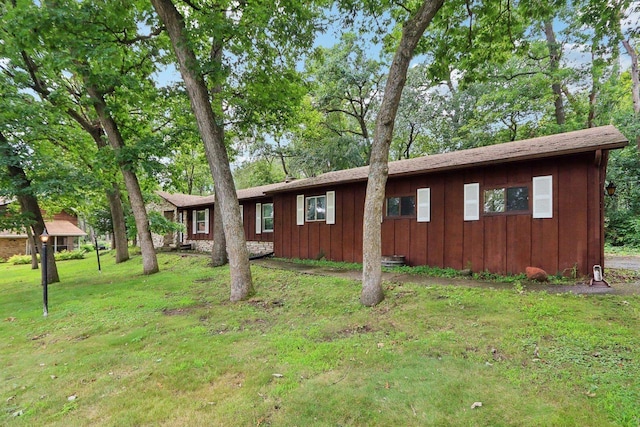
<point x="572" y="240"/>
<point x="249" y="222"/>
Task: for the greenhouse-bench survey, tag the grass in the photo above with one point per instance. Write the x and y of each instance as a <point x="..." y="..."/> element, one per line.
<point x="119" y="348"/>
<point x="621" y="250"/>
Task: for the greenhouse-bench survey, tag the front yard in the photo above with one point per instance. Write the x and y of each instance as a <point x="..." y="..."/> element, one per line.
<point x="119" y="348"/>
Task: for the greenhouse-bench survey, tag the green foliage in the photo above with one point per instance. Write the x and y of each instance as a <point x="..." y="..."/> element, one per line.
<point x="258" y="172"/>
<point x="59" y="256"/>
<point x="158" y="224"/>
<point x="19" y="259"/>
<point x="68" y="255"/>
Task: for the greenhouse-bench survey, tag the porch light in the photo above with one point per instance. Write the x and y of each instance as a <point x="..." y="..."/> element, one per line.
<point x="611" y="188"/>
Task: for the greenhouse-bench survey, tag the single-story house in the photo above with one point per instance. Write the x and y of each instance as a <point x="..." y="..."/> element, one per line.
<point x="501" y="208"/>
<point x="536" y="202"/>
<point x="62" y="229"/>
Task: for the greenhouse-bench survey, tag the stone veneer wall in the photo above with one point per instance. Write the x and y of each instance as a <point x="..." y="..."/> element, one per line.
<point x="158" y="239"/>
<point x="255" y="248"/>
<point x="12" y="246"/>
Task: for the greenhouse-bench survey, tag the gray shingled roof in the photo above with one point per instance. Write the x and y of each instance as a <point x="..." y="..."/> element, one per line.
<point x="187" y="200"/>
<point x="605" y="138"/>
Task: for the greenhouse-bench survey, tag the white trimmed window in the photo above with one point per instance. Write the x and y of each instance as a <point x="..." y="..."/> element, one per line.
<point x="316" y="208"/>
<point x="543" y="196"/>
<point x="267" y="217"/>
<point x="201" y="221"/>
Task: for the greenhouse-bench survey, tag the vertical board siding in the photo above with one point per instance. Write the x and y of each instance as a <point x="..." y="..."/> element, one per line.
<point x="436" y="236"/>
<point x="453" y="220"/>
<point x="572" y="227"/>
<point x="499" y="243"/>
<point x="544" y="231"/>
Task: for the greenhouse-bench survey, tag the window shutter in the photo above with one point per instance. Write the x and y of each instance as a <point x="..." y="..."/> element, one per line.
<point x="424" y="204"/>
<point x="258" y="218"/>
<point x="543" y="196"/>
<point x="300" y="210"/>
<point x="206" y="221"/>
<point x="472" y="202"/>
<point x="194" y="222"/>
<point x="331" y="207"/>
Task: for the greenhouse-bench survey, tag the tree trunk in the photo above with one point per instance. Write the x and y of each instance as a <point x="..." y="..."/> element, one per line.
<point x="28" y="203"/>
<point x="120" y="240"/>
<point x="213" y="137"/>
<point x="595" y="89"/>
<point x="554" y="64"/>
<point x="412" y="31"/>
<point x="635" y="75"/>
<point x="33" y="247"/>
<point x="219" y="251"/>
<point x="149" y="259"/>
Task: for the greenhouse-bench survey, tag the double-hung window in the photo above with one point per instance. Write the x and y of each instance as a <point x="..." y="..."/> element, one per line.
<point x="201" y="221"/>
<point x="316" y="208"/>
<point x="267" y="217"/>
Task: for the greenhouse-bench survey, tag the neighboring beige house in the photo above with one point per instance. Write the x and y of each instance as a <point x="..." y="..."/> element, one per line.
<point x="63" y="229"/>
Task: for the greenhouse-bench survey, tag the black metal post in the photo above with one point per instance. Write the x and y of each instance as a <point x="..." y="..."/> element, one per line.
<point x="95" y="241"/>
<point x="45" y="290"/>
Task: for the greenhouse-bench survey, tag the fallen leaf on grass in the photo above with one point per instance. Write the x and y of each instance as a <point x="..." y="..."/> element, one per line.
<point x="476" y="405"/>
<point x="72" y="397"/>
<point x="12" y="319"/>
<point x="277" y="375"/>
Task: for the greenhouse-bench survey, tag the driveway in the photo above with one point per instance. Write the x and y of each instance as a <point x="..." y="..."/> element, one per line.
<point x="617" y="266"/>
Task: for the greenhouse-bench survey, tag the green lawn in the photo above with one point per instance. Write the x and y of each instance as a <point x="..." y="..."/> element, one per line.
<point x="170" y="349"/>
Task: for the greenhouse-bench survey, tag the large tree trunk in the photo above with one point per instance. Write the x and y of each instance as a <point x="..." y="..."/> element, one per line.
<point x="412" y="31"/>
<point x="635" y="75"/>
<point x="212" y="135"/>
<point x="219" y="254"/>
<point x="149" y="259"/>
<point x="219" y="251"/>
<point x="28" y="203"/>
<point x="554" y="61"/>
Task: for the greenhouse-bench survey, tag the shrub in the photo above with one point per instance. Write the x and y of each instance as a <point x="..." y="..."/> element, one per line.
<point x="87" y="247"/>
<point x="20" y="259"/>
<point x="2" y="260"/>
<point x="66" y="255"/>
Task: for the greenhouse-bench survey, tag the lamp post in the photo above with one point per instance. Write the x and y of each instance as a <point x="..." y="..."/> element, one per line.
<point x="611" y="189"/>
<point x="44" y="238"/>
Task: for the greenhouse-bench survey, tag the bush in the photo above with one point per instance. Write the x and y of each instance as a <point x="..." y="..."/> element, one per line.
<point x="20" y="259"/>
<point x="87" y="247"/>
<point x="66" y="255"/>
<point x="2" y="260"/>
